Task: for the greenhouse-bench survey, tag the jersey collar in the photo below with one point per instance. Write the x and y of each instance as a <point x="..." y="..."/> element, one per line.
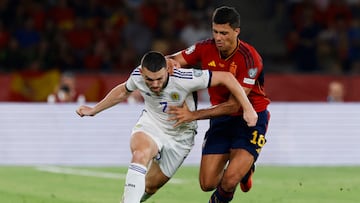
<point x="232" y="53"/>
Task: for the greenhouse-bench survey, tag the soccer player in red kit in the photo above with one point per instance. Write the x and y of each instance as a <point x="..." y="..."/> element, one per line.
<point x="230" y="147"/>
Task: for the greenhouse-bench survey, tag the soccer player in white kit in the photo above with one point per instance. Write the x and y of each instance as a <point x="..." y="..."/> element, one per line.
<point x="158" y="148"/>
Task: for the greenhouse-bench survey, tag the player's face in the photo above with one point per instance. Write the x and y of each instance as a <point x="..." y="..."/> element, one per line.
<point x="155" y="80"/>
<point x="225" y="37"/>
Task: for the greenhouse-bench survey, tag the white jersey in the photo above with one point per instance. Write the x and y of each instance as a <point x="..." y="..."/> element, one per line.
<point x="179" y="89"/>
<point x="174" y="144"/>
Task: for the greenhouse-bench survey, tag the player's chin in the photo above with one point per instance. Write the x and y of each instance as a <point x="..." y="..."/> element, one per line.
<point x="156" y="89"/>
<point x="220" y="46"/>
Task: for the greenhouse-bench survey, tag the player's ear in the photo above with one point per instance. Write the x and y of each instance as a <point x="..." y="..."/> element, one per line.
<point x="237" y="30"/>
<point x="169" y="70"/>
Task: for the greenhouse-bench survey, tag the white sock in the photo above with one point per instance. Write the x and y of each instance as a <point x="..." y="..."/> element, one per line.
<point x="134" y="183"/>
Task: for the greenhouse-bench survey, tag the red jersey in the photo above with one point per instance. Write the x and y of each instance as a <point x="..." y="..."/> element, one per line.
<point x="244" y="63"/>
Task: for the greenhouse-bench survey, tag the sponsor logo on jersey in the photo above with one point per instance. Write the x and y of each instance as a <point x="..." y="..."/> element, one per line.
<point x="249" y="81"/>
<point x="190" y="50"/>
<point x="252" y="72"/>
<point x="212" y="64"/>
<point x="175" y="96"/>
<point x="197" y="72"/>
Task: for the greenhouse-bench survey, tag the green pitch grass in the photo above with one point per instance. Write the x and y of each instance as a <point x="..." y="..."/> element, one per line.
<point x="105" y="185"/>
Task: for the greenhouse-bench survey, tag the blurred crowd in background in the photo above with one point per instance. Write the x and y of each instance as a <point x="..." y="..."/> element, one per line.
<point x="323" y="35"/>
<point x="95" y="35"/>
<point x="111" y="35"/>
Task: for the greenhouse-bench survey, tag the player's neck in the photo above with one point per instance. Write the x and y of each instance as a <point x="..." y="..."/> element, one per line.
<point x="226" y="54"/>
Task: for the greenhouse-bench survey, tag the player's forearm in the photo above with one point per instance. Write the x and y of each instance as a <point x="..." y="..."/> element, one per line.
<point x="225" y="108"/>
<point x="238" y="92"/>
<point x="115" y="96"/>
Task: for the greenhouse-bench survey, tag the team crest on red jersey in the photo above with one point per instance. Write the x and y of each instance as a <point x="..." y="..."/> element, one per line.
<point x="233" y="68"/>
<point x="252" y="72"/>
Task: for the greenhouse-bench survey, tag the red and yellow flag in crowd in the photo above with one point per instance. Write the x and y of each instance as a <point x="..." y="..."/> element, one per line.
<point x="33" y="86"/>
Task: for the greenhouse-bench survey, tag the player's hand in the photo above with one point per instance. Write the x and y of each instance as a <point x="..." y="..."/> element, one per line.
<point x="251" y="117"/>
<point x="180" y="114"/>
<point x="171" y="64"/>
<point x="85" y="111"/>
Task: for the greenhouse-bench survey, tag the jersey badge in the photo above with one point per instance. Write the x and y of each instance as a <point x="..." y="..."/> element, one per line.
<point x="197" y="72"/>
<point x="252" y="72"/>
<point x="212" y="64"/>
<point x="175" y="96"/>
<point x="190" y="50"/>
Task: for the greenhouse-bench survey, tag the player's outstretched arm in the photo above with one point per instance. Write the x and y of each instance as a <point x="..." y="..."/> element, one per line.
<point x="116" y="95"/>
<point x="182" y="114"/>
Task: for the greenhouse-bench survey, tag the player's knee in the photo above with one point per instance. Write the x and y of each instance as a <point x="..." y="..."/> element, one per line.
<point x="230" y="181"/>
<point x="140" y="157"/>
<point x="229" y="185"/>
<point x="207" y="185"/>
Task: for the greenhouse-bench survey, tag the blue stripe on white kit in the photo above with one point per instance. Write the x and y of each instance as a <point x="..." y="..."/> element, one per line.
<point x="182" y="74"/>
<point x="137" y="168"/>
<point x="136" y="72"/>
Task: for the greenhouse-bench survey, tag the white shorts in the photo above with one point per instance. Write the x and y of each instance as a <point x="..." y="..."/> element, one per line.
<point x="172" y="153"/>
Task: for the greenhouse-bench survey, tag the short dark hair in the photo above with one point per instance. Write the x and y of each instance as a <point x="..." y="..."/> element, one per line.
<point x="226" y="14"/>
<point x="153" y="61"/>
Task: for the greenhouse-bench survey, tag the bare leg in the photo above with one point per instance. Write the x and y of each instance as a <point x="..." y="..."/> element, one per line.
<point x="143" y="149"/>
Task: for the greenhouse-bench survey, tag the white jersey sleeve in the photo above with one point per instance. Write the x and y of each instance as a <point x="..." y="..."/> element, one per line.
<point x="130" y="83"/>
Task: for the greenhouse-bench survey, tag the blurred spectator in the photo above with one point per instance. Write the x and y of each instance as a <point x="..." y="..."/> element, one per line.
<point x="354" y="41"/>
<point x="308" y="31"/>
<point x="338" y="9"/>
<point x="80" y="37"/>
<point x="336" y="92"/>
<point x="94" y="60"/>
<point x="4" y="36"/>
<point x="62" y="14"/>
<point x="137" y="35"/>
<point x="26" y="34"/>
<point x="355" y="67"/>
<point x="13" y="57"/>
<point x="66" y="91"/>
<point x="195" y="30"/>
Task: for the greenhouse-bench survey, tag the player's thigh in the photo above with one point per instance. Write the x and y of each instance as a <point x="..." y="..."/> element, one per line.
<point x="143" y="147"/>
<point x="155" y="178"/>
<point x="211" y="170"/>
<point x="240" y="163"/>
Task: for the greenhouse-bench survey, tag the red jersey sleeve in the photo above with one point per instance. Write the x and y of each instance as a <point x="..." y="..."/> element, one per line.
<point x="194" y="54"/>
<point x="251" y="66"/>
